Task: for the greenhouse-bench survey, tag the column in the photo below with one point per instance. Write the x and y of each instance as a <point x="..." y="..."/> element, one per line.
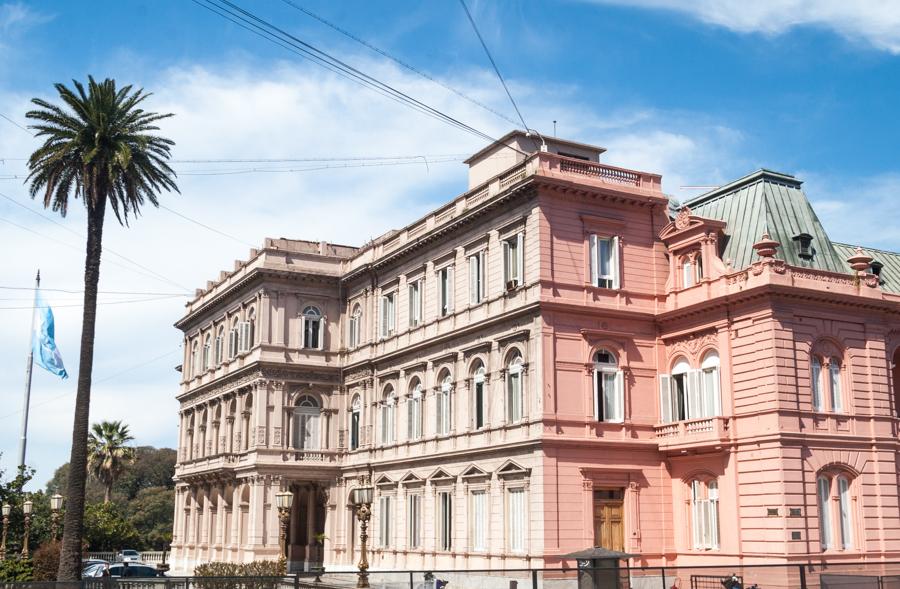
<point x="255" y="517"/>
<point x="280" y="401"/>
<point x="235" y="540"/>
<point x="310" y="522"/>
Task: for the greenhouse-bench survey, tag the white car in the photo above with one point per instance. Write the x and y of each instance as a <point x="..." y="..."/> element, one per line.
<point x="129" y="556"/>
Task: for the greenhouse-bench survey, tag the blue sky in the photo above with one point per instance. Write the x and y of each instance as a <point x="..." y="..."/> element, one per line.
<point x="702" y="92"/>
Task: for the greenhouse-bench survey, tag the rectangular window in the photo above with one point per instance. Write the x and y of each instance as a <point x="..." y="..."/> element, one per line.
<point x="818" y="403"/>
<point x="514" y="409"/>
<point x="414" y="521"/>
<point x="233" y="341"/>
<point x="219" y="348"/>
<point x="476" y="278"/>
<point x="353" y="338"/>
<point x="516" y="517"/>
<point x="244" y="343"/>
<point x="479" y="402"/>
<point x="443" y="410"/>
<point x="445" y="290"/>
<point x="844" y="506"/>
<point x="609" y="403"/>
<point x="705" y="515"/>
<point x="604" y="254"/>
<point x="692" y="394"/>
<point x="478" y="521"/>
<point x="513" y="261"/>
<point x="388" y="323"/>
<point x="384" y="525"/>
<point x="834" y="369"/>
<point x="824" y="492"/>
<point x="687" y="276"/>
<point x="414" y="415"/>
<point x="415" y="303"/>
<point x="444" y="521"/>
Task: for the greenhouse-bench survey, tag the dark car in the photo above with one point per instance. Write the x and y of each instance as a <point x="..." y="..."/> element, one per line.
<point x="136" y="570"/>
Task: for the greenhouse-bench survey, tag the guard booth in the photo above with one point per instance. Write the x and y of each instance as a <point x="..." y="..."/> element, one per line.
<point x="601" y="568"/>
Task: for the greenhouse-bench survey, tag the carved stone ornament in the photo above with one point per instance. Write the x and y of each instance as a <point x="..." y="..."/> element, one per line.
<point x="683" y="218"/>
<point x="692" y="343"/>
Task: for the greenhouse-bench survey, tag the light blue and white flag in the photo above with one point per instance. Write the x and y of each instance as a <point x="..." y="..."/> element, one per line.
<point x="46" y="354"/>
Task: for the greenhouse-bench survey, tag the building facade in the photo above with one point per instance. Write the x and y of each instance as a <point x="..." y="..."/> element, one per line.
<point x="553" y="360"/>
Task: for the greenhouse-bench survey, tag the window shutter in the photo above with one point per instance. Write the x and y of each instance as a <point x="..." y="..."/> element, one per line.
<point x="384" y="322"/>
<point x="507" y="267"/>
<point x="412" y="315"/>
<point x="303" y="327"/>
<point x="598" y="393"/>
<point x="694" y="409"/>
<point x="594" y="261"/>
<point x="619" y="414"/>
<point x="520" y="261"/>
<point x="614" y="263"/>
<point x="834" y="370"/>
<point x="451" y="290"/>
<point x="473" y="280"/>
<point x="817" y="384"/>
<point x="665" y="398"/>
<point x="321" y="342"/>
<point x="243" y="336"/>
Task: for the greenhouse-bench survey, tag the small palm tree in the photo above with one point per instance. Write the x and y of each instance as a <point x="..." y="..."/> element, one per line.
<point x="100" y="147"/>
<point x="108" y="453"/>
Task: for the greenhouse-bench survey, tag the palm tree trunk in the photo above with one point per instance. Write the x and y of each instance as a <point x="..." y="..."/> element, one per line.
<point x="107" y="493"/>
<point x="73" y="531"/>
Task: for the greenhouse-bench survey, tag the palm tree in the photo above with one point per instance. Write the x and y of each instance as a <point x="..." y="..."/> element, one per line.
<point x="100" y="147"/>
<point x="108" y="453"/>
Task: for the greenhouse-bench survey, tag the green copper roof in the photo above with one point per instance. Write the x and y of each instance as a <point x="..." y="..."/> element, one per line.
<point x="890" y="272"/>
<point x="773" y="203"/>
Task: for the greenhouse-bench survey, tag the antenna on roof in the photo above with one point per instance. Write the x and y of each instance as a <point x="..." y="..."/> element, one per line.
<point x="554" y="129"/>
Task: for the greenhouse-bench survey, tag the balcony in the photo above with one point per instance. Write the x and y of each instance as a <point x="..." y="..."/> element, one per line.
<point x="681" y="437"/>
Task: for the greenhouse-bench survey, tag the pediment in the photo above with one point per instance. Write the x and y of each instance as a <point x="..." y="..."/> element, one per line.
<point x="473" y="472"/>
<point x="512" y="469"/>
<point x="441" y="475"/>
<point x="384" y="481"/>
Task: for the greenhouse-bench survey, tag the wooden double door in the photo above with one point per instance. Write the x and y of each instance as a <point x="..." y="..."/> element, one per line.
<point x="609" y="519"/>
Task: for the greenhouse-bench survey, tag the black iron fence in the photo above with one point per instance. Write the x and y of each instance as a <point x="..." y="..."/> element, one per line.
<point x="825" y="575"/>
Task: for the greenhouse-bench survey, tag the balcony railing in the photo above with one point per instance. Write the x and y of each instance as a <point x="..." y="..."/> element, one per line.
<point x="693" y="433"/>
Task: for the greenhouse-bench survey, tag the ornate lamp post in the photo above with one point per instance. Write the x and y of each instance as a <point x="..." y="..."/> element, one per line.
<point x="284" y="500"/>
<point x="361" y="497"/>
<point x="6" y="509"/>
<point x="56" y="503"/>
<point x="26" y="509"/>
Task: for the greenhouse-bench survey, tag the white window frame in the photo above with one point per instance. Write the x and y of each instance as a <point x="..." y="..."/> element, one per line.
<point x="233" y="337"/>
<point x="445" y="288"/>
<point x="835" y="502"/>
<point x="207" y="353"/>
<point x="414" y="521"/>
<point x="705" y="514"/>
<point x="244" y="338"/>
<point x="220" y="346"/>
<point x="385" y="520"/>
<point x="516" y="519"/>
<point x="823" y="493"/>
<point x="609" y="390"/>
<point x="702" y="394"/>
<point x="604" y="251"/>
<point x="388" y="318"/>
<point x="312" y="328"/>
<point x="476" y="278"/>
<point x="414" y="292"/>
<point x="478" y="520"/>
<point x="826" y="384"/>
<point x="444" y="520"/>
<point x="514" y="261"/>
<point x="306" y="424"/>
<point x="355" y="425"/>
<point x="443" y="407"/>
<point x="389" y="417"/>
<point x="479" y="381"/>
<point x="354" y="331"/>
<point x="515" y="395"/>
<point x="414" y="413"/>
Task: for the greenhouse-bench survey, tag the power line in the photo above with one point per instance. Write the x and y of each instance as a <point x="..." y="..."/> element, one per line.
<point x="153" y="273"/>
<point x="397" y="60"/>
<point x="262" y="28"/>
<point x="311" y="169"/>
<point x="112" y="292"/>
<point x="205" y="226"/>
<point x="16" y="124"/>
<point x="130" y="301"/>
<point x="493" y="63"/>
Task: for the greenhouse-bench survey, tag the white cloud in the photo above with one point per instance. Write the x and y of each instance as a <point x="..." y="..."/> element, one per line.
<point x="244" y="111"/>
<point x="876" y="22"/>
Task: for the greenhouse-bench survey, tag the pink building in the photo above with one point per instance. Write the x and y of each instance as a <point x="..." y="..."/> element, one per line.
<point x="553" y="360"/>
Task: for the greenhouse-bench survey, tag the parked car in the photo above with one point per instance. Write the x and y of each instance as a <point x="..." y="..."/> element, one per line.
<point x="136" y="570"/>
<point x="90" y="564"/>
<point x="128" y="555"/>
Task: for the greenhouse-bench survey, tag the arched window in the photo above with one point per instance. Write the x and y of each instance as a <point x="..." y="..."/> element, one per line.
<point x="710" y="394"/>
<point x="355" y="412"/>
<point x="306" y="423"/>
<point x="233" y="335"/>
<point x="673" y="390"/>
<point x="207" y="352"/>
<point x="514" y="396"/>
<point x="251" y="327"/>
<point x="353" y="338"/>
<point x="835" y="505"/>
<point x="705" y="514"/>
<point x="479" y="411"/>
<point x="609" y="396"/>
<point x="687" y="273"/>
<point x="220" y="345"/>
<point x="312" y="328"/>
<point x="388" y="416"/>
<point x="442" y="406"/>
<point x="195" y="358"/>
<point x="826" y="384"/>
<point x="414" y="411"/>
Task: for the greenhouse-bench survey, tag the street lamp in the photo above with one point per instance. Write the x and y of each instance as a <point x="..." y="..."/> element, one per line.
<point x="56" y="503"/>
<point x="361" y="497"/>
<point x="26" y="509"/>
<point x="284" y="500"/>
<point x="5" y="509"/>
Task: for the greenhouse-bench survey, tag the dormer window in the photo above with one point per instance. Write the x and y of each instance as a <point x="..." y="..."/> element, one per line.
<point x="875" y="268"/>
<point x="803" y="243"/>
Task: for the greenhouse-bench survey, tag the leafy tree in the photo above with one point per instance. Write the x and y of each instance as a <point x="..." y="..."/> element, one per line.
<point x="58" y="484"/>
<point x="152" y="467"/>
<point x="106" y="528"/>
<point x="151" y="515"/>
<point x="100" y="147"/>
<point x="108" y="453"/>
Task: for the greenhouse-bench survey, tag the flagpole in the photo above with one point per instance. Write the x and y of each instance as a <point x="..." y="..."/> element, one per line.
<point x="24" y="440"/>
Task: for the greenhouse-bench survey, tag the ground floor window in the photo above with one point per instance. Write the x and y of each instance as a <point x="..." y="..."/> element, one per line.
<point x="705" y="514"/>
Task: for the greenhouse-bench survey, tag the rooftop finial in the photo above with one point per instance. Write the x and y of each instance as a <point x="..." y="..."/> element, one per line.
<point x="766" y="247"/>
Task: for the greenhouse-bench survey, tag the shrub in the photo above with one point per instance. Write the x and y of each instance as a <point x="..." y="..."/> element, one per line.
<point x="46" y="561"/>
<point x="14" y="570"/>
<point x="261" y="574"/>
